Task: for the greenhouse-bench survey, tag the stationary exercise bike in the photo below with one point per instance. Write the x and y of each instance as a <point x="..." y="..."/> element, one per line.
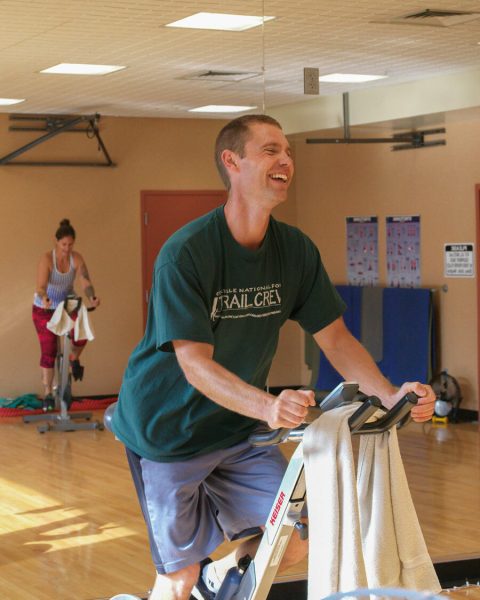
<point x="253" y="577"/>
<point x="63" y="420"/>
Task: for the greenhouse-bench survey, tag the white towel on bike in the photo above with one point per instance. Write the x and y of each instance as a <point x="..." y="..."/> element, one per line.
<point x="369" y="538"/>
<point x="335" y="560"/>
<point x="61" y="323"/>
<point x="394" y="549"/>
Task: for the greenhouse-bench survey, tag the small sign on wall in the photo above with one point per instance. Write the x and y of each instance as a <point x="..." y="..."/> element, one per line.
<point x="459" y="260"/>
<point x="362" y="250"/>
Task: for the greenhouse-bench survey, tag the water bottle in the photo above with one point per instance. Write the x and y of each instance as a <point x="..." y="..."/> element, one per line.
<point x="232" y="579"/>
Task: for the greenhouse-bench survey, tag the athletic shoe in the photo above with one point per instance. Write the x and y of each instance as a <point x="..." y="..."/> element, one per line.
<point x="200" y="590"/>
<point x="48" y="403"/>
<point x="77" y="369"/>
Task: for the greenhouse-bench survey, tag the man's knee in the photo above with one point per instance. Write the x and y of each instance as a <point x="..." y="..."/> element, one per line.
<point x="297" y="550"/>
<point x="179" y="583"/>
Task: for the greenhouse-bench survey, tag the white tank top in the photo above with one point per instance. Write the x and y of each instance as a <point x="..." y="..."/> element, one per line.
<point x="60" y="285"/>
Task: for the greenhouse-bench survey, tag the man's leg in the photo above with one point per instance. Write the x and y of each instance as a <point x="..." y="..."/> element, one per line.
<point x="181" y="524"/>
<point x="190" y="505"/>
<point x="255" y="475"/>
<point x="175" y="586"/>
<point x="296" y="551"/>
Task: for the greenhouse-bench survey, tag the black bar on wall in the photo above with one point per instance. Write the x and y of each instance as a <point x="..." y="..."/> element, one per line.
<point x="61" y="125"/>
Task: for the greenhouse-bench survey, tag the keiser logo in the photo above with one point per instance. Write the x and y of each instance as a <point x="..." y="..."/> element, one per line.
<point x="277" y="508"/>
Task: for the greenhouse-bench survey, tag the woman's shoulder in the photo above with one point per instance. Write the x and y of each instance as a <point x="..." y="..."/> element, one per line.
<point x="77" y="259"/>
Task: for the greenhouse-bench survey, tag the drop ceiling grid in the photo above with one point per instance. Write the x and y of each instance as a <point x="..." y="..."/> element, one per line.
<point x="336" y="36"/>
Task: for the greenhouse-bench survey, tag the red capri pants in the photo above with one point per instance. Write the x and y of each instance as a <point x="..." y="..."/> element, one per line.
<point x="48" y="339"/>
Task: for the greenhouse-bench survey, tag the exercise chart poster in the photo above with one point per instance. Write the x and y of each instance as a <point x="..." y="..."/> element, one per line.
<point x="362" y="251"/>
<point x="403" y="251"/>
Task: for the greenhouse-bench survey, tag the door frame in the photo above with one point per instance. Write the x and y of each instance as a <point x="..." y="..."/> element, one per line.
<point x="477" y="259"/>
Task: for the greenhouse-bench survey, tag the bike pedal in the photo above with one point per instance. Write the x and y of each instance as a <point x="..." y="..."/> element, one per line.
<point x="77" y="370"/>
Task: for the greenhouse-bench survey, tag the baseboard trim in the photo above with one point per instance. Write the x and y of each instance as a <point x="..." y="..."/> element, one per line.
<point x="454" y="573"/>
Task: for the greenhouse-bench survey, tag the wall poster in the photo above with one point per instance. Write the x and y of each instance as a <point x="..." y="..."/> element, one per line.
<point x="362" y="251"/>
<point x="403" y="251"/>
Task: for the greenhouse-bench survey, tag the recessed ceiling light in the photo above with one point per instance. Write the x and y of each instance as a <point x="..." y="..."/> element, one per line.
<point x="9" y="101"/>
<point x="205" y="20"/>
<point x="349" y="78"/>
<point x="82" y="69"/>
<point x="221" y="108"/>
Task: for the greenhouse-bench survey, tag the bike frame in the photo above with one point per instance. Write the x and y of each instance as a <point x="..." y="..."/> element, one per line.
<point x="64" y="421"/>
<point x="285" y="515"/>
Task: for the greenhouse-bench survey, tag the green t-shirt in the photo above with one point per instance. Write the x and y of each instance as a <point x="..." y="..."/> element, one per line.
<point x="208" y="288"/>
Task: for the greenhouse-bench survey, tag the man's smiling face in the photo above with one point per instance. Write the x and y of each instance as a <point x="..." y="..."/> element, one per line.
<point x="266" y="168"/>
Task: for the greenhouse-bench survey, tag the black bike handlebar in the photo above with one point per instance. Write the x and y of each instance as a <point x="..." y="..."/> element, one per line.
<point x="392" y="417"/>
<point x="91" y="308"/>
<point x="79" y="302"/>
<point x="357" y="421"/>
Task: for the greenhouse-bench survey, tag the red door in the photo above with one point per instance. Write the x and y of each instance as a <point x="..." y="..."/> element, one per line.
<point x="162" y="214"/>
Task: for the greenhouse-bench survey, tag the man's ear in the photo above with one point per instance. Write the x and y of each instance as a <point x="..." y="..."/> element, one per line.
<point x="229" y="159"/>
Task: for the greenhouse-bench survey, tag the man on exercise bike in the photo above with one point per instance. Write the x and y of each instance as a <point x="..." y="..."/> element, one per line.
<point x="193" y="389"/>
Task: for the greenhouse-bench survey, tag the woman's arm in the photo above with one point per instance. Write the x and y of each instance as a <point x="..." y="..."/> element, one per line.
<point x="43" y="275"/>
<point x="85" y="281"/>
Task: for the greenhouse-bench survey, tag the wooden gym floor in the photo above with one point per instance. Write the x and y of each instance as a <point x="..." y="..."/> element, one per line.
<point x="71" y="529"/>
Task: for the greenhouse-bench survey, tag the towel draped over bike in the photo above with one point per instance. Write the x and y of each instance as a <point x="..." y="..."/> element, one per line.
<point x="61" y="323"/>
<point x="364" y="532"/>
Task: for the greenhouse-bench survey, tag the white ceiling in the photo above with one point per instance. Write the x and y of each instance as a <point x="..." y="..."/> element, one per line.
<point x="352" y="36"/>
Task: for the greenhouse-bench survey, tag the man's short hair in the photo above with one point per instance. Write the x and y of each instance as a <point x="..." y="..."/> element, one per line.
<point x="234" y="136"/>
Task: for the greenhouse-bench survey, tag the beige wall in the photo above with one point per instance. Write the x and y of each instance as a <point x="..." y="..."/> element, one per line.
<point x="103" y="205"/>
<point x="333" y="182"/>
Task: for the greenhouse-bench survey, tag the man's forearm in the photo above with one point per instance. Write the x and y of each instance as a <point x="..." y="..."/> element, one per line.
<point x="227" y="389"/>
<point x="354" y="363"/>
<point x="288" y="409"/>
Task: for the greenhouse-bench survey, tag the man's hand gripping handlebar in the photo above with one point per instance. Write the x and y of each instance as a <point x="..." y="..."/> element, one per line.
<point x="343" y="394"/>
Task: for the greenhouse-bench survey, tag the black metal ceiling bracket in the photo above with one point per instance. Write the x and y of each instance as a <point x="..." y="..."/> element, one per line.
<point x="410" y="140"/>
<point x="54" y="125"/>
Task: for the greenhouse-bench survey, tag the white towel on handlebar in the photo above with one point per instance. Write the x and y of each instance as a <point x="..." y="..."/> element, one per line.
<point x="61" y="323"/>
<point x="335" y="561"/>
<point x="363" y="532"/>
<point x="388" y="519"/>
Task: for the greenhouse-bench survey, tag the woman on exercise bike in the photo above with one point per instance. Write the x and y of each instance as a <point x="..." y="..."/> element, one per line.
<point x="56" y="273"/>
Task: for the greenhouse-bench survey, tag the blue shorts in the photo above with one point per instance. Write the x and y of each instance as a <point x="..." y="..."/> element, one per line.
<point x="191" y="506"/>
